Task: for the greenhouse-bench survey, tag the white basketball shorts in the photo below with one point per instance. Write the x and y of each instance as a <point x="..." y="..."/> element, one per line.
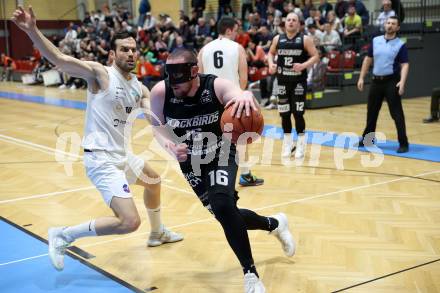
<point x="112" y="173"/>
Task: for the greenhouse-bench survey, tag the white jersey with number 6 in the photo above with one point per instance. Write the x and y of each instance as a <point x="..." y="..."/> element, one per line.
<point x="220" y="57"/>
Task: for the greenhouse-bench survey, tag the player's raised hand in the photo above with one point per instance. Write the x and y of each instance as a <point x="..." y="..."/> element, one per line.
<point x="24" y="20"/>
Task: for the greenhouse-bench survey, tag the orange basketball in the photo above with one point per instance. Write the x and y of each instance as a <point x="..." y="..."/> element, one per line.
<point x="238" y="126"/>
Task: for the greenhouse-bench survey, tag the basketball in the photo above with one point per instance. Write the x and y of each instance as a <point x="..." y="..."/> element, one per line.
<point x="253" y="123"/>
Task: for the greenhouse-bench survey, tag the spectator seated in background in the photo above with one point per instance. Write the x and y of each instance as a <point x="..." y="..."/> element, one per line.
<point x="271" y="9"/>
<point x="330" y="39"/>
<point x="257" y="21"/>
<point x="227" y="12"/>
<point x="311" y="19"/>
<point x="104" y="32"/>
<point x="201" y="32"/>
<point x="150" y="22"/>
<point x="213" y="27"/>
<point x="243" y="37"/>
<point x="8" y="66"/>
<point x="319" y="20"/>
<point x="264" y="37"/>
<point x="335" y="22"/>
<point x="255" y="55"/>
<point x="341" y="9"/>
<point x="315" y="33"/>
<point x="324" y="8"/>
<point x="71" y="34"/>
<point x="147" y="73"/>
<point x="361" y="10"/>
<point x="383" y="16"/>
<point x="305" y="8"/>
<point x="353" y="27"/>
<point x="43" y="66"/>
<point x="277" y="26"/>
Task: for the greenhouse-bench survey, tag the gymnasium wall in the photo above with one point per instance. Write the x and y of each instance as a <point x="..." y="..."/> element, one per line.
<point x="52" y="15"/>
<point x="46" y="9"/>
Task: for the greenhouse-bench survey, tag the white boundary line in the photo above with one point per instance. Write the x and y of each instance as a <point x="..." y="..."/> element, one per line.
<point x="46" y="194"/>
<point x="43" y="147"/>
<point x="26" y="146"/>
<point x="23" y="259"/>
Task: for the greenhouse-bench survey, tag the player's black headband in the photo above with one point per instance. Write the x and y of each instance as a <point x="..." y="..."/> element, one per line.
<point x="179" y="73"/>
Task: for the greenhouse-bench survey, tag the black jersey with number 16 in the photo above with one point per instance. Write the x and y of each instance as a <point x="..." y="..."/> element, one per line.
<point x="291" y="51"/>
<point x="195" y="117"/>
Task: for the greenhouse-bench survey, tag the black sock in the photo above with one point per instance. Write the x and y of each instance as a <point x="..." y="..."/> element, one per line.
<point x="250" y="269"/>
<point x="257" y="222"/>
<point x="273" y="223"/>
<point x="226" y="212"/>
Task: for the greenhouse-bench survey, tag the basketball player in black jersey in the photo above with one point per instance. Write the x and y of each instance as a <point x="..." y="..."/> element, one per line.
<point x="296" y="52"/>
<point x="187" y="107"/>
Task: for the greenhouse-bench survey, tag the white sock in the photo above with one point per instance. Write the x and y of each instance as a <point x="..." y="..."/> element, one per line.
<point x="245" y="170"/>
<point x="82" y="230"/>
<point x="287" y="140"/>
<point x="155" y="221"/>
<point x="301" y="139"/>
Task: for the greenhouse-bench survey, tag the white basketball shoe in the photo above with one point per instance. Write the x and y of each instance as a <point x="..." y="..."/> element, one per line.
<point x="57" y="247"/>
<point x="252" y="284"/>
<point x="283" y="234"/>
<point x="166" y="236"/>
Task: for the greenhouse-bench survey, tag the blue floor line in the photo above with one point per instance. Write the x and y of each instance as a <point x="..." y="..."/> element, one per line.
<point x="38" y="275"/>
<point x="416" y="151"/>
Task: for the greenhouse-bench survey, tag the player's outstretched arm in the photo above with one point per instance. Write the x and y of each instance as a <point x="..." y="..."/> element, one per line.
<point x="26" y="21"/>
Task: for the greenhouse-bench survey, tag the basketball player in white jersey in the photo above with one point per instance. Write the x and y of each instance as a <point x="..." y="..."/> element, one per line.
<point x="113" y="92"/>
<point x="226" y="58"/>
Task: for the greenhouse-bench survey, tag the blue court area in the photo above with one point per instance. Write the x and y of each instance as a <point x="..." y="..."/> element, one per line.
<point x="347" y="141"/>
<point x="38" y="275"/>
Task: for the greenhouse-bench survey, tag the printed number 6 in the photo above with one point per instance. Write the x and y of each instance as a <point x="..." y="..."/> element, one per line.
<point x="218" y="59"/>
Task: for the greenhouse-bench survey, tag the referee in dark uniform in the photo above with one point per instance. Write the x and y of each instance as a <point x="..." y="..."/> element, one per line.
<point x="390" y="71"/>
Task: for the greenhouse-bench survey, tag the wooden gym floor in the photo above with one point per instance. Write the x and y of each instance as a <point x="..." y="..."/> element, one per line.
<point x="377" y="226"/>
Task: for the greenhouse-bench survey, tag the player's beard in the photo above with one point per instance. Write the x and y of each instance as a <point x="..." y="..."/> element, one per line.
<point x="390" y="30"/>
<point x="125" y="65"/>
<point x="182" y="90"/>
